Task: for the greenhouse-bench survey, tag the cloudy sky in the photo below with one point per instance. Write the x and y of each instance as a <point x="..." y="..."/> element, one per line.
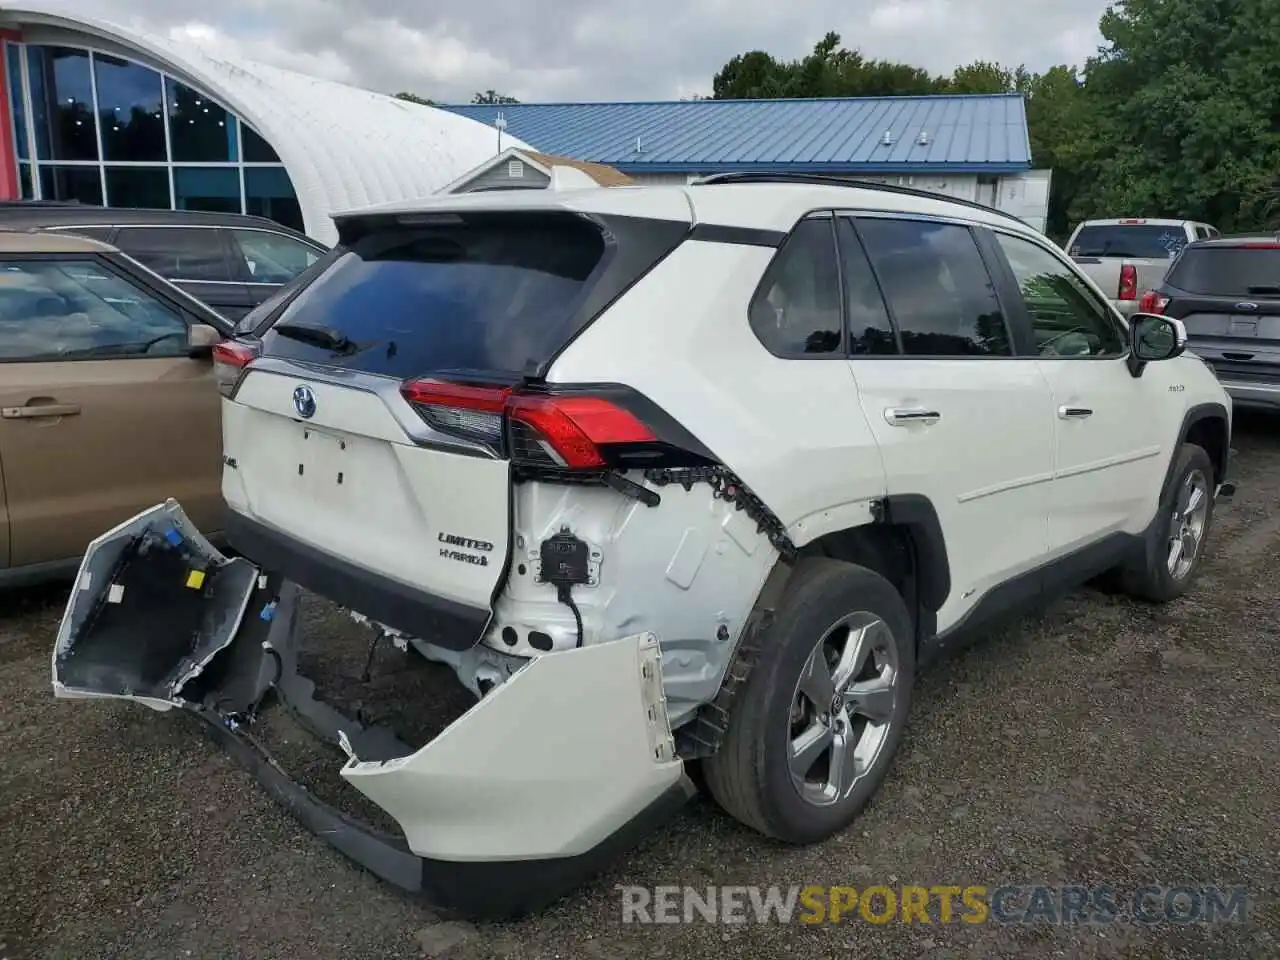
<point x="603" y="49"/>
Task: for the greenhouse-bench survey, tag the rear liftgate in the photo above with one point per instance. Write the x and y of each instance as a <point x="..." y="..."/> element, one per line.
<point x="537" y="787"/>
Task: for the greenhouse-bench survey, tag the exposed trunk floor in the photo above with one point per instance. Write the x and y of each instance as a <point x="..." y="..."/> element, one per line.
<point x="416" y="698"/>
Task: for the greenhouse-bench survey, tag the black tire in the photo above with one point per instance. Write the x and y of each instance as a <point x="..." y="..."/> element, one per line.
<point x="1148" y="577"/>
<point x="750" y="776"/>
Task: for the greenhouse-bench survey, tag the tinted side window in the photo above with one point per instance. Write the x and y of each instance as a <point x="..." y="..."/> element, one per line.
<point x="263" y="257"/>
<point x="796" y="311"/>
<point x="1202" y="233"/>
<point x="79" y="310"/>
<point x="870" y="331"/>
<point x="1066" y="320"/>
<point x="937" y="288"/>
<point x="177" y="253"/>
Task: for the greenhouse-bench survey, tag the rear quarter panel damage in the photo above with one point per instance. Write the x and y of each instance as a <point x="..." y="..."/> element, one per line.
<point x="688" y="570"/>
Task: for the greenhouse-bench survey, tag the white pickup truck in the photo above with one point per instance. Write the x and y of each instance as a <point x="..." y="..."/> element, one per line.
<point x="1126" y="257"/>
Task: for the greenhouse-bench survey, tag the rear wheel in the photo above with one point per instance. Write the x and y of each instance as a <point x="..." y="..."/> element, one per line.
<point x="815" y="730"/>
<point x="1176" y="540"/>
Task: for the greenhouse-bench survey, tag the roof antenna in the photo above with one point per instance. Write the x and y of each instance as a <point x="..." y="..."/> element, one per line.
<point x="501" y="123"/>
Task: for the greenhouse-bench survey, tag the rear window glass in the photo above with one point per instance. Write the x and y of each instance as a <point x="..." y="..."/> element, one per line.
<point x="1227" y="271"/>
<point x="1143" y="241"/>
<point x="497" y="294"/>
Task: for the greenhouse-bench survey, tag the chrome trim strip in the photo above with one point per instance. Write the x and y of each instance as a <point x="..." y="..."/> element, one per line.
<point x="386" y="389"/>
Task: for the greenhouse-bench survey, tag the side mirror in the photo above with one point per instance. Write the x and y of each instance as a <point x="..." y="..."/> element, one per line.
<point x="1153" y="338"/>
<point x="200" y="341"/>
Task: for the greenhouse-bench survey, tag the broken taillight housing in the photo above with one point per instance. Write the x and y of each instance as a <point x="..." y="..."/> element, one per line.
<point x="566" y="431"/>
<point x="230" y="357"/>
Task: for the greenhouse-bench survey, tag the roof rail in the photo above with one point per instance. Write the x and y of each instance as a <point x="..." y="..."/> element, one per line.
<point x="820" y="180"/>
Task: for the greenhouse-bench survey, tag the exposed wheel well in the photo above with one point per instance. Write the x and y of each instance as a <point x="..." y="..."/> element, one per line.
<point x="1210" y="433"/>
<point x="888" y="549"/>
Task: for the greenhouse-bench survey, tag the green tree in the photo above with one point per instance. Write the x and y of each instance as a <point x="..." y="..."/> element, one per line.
<point x="981" y="76"/>
<point x="414" y="98"/>
<point x="1063" y="137"/>
<point x="492" y="96"/>
<point x="1185" y="103"/>
<point x="829" y="70"/>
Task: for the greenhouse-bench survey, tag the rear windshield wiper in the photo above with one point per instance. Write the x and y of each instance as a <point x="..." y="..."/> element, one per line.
<point x="1265" y="288"/>
<point x="316" y="336"/>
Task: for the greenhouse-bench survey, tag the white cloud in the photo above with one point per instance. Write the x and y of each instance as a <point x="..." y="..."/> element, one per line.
<point x="604" y="49"/>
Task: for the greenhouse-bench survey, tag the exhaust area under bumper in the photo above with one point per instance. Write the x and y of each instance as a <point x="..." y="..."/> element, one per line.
<point x="534" y="789"/>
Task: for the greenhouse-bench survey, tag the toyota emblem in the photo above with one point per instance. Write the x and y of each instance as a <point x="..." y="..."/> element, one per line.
<point x="304" y="401"/>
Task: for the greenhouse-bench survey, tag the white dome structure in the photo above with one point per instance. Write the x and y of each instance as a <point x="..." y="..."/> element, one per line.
<point x="342" y="147"/>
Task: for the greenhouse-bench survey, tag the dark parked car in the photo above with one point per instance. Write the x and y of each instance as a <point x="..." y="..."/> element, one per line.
<point x="230" y="261"/>
<point x="1227" y="293"/>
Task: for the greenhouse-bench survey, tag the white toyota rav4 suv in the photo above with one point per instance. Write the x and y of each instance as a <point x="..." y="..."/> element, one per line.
<point x="668" y="475"/>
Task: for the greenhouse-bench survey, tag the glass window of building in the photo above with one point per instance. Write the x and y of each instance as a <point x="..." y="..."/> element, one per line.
<point x="107" y="129"/>
<point x="207" y="188"/>
<point x="269" y="193"/>
<point x="130" y="111"/>
<point x="13" y="73"/>
<point x="71" y="183"/>
<point x="62" y="103"/>
<point x="200" y="131"/>
<point x="256" y="150"/>
<point x="146" y="187"/>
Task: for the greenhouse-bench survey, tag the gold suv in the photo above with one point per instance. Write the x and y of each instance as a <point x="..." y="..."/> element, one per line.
<point x="107" y="399"/>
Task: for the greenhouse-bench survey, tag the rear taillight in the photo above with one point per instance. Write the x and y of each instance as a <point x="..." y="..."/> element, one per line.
<point x="564" y="431"/>
<point x="459" y="409"/>
<point x="1128" y="282"/>
<point x="230" y="357"/>
<point x="1152" y="302"/>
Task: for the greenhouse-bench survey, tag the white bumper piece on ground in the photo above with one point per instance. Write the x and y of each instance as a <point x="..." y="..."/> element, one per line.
<point x="536" y="787"/>
<point x="576" y="743"/>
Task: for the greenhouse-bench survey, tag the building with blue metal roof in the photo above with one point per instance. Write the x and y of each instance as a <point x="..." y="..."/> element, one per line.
<point x="973" y="147"/>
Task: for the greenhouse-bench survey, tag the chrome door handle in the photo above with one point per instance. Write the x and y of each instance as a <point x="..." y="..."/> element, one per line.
<point x="1074" y="413"/>
<point x="40" y="410"/>
<point x="905" y="416"/>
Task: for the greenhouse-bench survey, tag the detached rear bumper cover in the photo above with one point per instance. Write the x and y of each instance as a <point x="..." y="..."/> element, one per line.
<point x="535" y="788"/>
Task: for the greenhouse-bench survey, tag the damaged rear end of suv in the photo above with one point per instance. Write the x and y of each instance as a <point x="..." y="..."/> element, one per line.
<point x="392" y="443"/>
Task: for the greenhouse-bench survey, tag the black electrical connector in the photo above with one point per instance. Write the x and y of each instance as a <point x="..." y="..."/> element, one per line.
<point x="565" y="563"/>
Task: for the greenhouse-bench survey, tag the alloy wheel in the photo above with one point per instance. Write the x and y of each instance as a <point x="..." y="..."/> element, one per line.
<point x="842" y="708"/>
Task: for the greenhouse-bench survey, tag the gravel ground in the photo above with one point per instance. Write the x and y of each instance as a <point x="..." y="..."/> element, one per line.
<point x="1100" y="743"/>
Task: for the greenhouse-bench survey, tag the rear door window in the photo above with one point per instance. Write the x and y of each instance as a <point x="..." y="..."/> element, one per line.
<point x="1135" y="241"/>
<point x="178" y="253"/>
<point x="1228" y="271"/>
<point x="870" y="331"/>
<point x="494" y="294"/>
<point x="265" y="257"/>
<point x="936" y="285"/>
